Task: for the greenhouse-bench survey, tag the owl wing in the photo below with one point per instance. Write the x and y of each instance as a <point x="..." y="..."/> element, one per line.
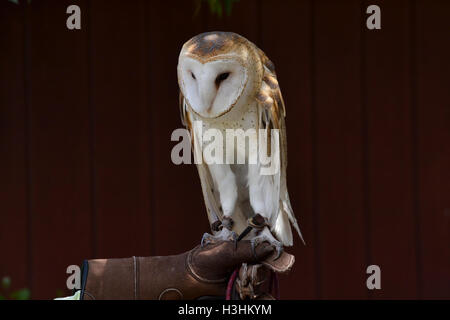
<point x="210" y="192"/>
<point x="271" y="116"/>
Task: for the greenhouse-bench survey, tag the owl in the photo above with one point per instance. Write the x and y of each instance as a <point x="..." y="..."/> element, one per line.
<point x="227" y="83"/>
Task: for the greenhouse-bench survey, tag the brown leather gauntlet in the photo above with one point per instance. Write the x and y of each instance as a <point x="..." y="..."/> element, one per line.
<point x="190" y="275"/>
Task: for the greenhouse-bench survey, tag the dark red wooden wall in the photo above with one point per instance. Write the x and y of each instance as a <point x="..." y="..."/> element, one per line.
<point x="86" y="118"/>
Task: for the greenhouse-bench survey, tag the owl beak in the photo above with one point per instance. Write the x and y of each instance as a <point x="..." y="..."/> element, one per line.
<point x="207" y="95"/>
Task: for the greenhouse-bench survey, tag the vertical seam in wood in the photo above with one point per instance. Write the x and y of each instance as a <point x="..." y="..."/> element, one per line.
<point x="92" y="168"/>
<point x="315" y="169"/>
<point x="150" y="130"/>
<point x="415" y="141"/>
<point x="365" y="142"/>
<point x="27" y="94"/>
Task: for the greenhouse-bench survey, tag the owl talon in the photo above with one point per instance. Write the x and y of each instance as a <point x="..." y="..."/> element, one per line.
<point x="206" y="239"/>
<point x="279" y="250"/>
<point x="227" y="223"/>
<point x="222" y="235"/>
<point x="276" y="245"/>
<point x="254" y="245"/>
<point x="233" y="237"/>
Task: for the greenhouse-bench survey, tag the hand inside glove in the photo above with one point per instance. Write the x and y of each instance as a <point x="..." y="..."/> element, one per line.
<point x="202" y="271"/>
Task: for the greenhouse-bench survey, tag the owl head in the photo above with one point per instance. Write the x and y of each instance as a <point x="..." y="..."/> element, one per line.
<point x="218" y="71"/>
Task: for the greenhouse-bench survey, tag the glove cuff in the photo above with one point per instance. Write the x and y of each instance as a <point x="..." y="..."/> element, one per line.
<point x="147" y="278"/>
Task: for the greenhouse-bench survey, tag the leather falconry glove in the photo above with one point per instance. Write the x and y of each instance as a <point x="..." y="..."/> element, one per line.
<point x="200" y="272"/>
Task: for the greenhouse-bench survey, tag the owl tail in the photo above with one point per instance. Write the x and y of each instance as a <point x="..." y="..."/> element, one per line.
<point x="282" y="228"/>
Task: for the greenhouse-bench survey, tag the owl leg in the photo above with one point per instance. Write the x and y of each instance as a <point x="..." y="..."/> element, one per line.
<point x="262" y="200"/>
<point x="225" y="181"/>
<point x="262" y="193"/>
<point x="226" y="184"/>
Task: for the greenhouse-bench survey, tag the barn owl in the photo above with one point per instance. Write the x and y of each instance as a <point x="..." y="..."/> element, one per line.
<point x="226" y="82"/>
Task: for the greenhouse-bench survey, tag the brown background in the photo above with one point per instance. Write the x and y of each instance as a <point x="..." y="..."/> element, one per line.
<point x="86" y="118"/>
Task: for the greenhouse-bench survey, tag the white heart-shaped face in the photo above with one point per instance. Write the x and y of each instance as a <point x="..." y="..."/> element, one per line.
<point x="212" y="88"/>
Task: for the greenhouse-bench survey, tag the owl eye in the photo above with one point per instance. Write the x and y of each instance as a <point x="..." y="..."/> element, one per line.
<point x="221" y="77"/>
<point x="193" y="76"/>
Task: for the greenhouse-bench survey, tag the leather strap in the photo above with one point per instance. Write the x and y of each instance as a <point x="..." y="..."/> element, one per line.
<point x="252" y="281"/>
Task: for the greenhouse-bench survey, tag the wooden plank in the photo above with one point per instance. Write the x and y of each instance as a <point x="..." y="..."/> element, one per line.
<point x="179" y="215"/>
<point x="120" y="129"/>
<point x="13" y="146"/>
<point x="59" y="146"/>
<point x="432" y="118"/>
<point x="389" y="146"/>
<point x="337" y="125"/>
<point x="292" y="59"/>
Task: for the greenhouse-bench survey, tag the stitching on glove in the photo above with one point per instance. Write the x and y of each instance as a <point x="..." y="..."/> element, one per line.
<point x="196" y="276"/>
